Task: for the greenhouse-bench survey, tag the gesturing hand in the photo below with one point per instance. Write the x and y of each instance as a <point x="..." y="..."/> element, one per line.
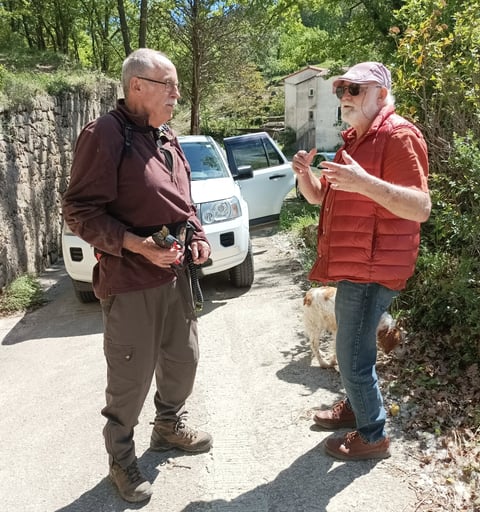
<point x="349" y="176"/>
<point x="302" y="160"/>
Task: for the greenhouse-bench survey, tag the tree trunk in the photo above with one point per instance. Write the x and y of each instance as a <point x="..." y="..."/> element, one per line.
<point x="124" y="28"/>
<point x="142" y="32"/>
<point x="196" y="66"/>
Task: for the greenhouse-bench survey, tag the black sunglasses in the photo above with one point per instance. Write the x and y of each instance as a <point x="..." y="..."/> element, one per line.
<point x="353" y="89"/>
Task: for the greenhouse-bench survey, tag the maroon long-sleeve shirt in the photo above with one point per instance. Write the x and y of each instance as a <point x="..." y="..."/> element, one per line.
<point x="113" y="189"/>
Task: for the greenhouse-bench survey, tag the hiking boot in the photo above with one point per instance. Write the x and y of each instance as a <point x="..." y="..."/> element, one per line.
<point x="339" y="416"/>
<point x="352" y="447"/>
<point x="169" y="434"/>
<point x="131" y="484"/>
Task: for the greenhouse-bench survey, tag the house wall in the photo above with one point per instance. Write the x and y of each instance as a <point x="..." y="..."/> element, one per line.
<point x="311" y="110"/>
<point x="327" y="126"/>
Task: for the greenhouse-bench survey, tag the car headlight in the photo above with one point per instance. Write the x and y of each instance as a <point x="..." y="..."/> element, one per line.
<point x="219" y="211"/>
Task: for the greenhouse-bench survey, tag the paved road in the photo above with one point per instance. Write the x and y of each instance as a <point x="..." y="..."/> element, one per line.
<point x="255" y="392"/>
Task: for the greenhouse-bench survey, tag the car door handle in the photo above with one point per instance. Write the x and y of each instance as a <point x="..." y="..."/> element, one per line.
<point x="275" y="176"/>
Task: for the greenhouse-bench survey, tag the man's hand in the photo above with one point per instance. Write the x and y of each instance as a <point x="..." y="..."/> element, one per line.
<point x="159" y="256"/>
<point x="302" y="160"/>
<point x="200" y="251"/>
<point x="406" y="202"/>
<point x="307" y="182"/>
<point x="349" y="177"/>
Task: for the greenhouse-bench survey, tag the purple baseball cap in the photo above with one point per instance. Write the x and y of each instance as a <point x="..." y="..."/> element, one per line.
<point x="366" y="72"/>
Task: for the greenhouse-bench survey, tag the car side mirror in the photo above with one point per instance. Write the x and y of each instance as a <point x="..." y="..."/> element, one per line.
<point x="245" y="172"/>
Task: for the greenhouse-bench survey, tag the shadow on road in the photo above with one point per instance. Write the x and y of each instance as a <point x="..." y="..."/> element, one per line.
<point x="104" y="496"/>
<point x="64" y="316"/>
<point x="307" y="485"/>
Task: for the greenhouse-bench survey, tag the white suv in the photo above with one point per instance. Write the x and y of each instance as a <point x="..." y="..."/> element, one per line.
<point x="222" y="211"/>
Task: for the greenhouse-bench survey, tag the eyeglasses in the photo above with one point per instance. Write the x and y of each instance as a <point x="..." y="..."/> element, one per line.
<point x="353" y="89"/>
<point x="169" y="86"/>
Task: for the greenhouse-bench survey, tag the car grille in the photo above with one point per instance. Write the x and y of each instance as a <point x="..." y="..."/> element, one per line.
<point x="227" y="239"/>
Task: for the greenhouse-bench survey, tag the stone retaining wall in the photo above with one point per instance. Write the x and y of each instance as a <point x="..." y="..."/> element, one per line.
<point x="35" y="156"/>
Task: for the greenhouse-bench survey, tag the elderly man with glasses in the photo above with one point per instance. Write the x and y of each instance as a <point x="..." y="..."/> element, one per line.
<point x="373" y="198"/>
<point x="129" y="192"/>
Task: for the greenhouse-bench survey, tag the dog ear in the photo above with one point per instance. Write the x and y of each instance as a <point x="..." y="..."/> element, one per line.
<point x="307" y="300"/>
<point x="389" y="339"/>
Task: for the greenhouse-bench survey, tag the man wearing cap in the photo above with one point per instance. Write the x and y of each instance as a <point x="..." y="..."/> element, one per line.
<point x="373" y="197"/>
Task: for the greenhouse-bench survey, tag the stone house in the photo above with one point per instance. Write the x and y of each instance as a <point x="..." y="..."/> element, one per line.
<point x="311" y="110"/>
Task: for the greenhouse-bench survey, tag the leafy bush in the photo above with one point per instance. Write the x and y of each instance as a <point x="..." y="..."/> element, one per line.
<point x="18" y="89"/>
<point x="437" y="70"/>
<point x="22" y="294"/>
<point x="443" y="297"/>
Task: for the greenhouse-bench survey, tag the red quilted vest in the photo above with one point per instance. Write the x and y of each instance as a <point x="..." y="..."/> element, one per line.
<point x="359" y="240"/>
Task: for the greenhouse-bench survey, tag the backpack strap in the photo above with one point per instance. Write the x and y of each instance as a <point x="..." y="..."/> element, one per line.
<point x="128" y="129"/>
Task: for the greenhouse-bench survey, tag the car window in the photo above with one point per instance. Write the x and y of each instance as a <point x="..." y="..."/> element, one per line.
<point x="252" y="153"/>
<point x="274" y="156"/>
<point x="204" y="160"/>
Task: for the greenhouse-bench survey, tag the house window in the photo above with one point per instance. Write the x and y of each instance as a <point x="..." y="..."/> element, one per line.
<point x="310" y="115"/>
<point x="311" y="93"/>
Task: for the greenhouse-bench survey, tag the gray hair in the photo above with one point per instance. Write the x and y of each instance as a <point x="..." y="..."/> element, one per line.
<point x="139" y="62"/>
<point x="389" y="98"/>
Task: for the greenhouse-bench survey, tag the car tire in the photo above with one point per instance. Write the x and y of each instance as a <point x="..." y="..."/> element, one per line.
<point x="82" y="292"/>
<point x="242" y="275"/>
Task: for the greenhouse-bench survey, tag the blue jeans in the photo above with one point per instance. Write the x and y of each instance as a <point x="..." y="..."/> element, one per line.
<point x="358" y="308"/>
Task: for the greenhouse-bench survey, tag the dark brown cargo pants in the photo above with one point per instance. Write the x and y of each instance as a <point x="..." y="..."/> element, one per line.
<point x="146" y="333"/>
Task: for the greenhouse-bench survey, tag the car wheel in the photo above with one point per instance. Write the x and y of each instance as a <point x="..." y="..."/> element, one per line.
<point x="83" y="292"/>
<point x="242" y="275"/>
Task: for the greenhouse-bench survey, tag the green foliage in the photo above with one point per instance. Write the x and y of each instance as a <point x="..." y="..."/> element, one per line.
<point x="16" y="58"/>
<point x="438" y="70"/>
<point x="444" y="294"/>
<point x="27" y="74"/>
<point x="455" y="221"/>
<point x="245" y="102"/>
<point x="19" y="89"/>
<point x="300" y="220"/>
<point x="296" y="214"/>
<point x="226" y="52"/>
<point x="16" y="89"/>
<point x="322" y="30"/>
<point x="22" y="294"/>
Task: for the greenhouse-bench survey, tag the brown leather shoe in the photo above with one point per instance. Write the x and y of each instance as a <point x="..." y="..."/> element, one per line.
<point x="353" y="447"/>
<point x="339" y="416"/>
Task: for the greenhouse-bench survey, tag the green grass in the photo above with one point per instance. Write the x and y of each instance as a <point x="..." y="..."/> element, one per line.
<point x="24" y="76"/>
<point x="23" y="294"/>
<point x="296" y="214"/>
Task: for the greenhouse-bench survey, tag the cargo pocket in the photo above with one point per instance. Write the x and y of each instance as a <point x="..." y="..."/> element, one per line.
<point x="121" y="361"/>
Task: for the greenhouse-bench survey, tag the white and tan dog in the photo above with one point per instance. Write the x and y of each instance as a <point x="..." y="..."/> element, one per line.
<point x="319" y="318"/>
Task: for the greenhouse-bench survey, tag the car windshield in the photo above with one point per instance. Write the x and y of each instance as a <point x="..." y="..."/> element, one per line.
<point x="204" y="160"/>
